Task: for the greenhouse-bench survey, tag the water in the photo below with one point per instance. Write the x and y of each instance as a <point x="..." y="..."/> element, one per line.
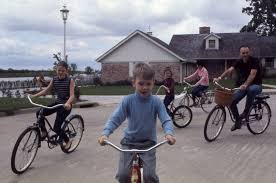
<point x="20" y="79"/>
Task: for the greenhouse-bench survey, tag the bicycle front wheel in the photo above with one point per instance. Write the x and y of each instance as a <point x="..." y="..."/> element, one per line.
<point x="25" y="150"/>
<point x="258" y="118"/>
<point x="73" y="128"/>
<point x="182" y="116"/>
<point x="214" y="123"/>
<point x="207" y="101"/>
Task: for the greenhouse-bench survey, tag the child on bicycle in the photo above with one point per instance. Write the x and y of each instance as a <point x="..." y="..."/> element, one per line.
<point x="169" y="87"/>
<point x="64" y="88"/>
<point x="141" y="110"/>
<point x="203" y="82"/>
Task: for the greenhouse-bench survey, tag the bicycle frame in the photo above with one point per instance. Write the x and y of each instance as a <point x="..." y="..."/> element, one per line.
<point x="136" y="167"/>
<point x="40" y="116"/>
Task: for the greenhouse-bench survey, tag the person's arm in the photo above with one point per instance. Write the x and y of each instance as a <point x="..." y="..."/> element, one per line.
<point x="228" y="71"/>
<point x="192" y="76"/>
<point x="249" y="80"/>
<point x="116" y="119"/>
<point x="69" y="102"/>
<point x="45" y="91"/>
<point x="165" y="119"/>
<point x="166" y="122"/>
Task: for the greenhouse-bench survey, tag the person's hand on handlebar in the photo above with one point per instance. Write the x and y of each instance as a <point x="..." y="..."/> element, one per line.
<point x="67" y="106"/>
<point x="217" y="79"/>
<point x="101" y="140"/>
<point x="171" y="139"/>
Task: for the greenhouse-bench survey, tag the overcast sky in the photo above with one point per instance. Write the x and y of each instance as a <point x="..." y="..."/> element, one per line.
<point x="32" y="30"/>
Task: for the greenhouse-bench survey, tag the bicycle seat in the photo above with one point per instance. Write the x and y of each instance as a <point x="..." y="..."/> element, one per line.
<point x="262" y="96"/>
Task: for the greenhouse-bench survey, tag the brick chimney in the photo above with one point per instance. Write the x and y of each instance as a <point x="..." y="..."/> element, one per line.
<point x="204" y="30"/>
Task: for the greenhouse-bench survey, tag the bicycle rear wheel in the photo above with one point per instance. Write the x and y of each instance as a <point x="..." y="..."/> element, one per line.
<point x="182" y="116"/>
<point x="207" y="101"/>
<point x="25" y="150"/>
<point x="73" y="128"/>
<point x="214" y="123"/>
<point x="258" y="117"/>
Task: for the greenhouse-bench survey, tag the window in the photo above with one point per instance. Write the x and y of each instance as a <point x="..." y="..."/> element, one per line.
<point x="212" y="43"/>
<point x="269" y="62"/>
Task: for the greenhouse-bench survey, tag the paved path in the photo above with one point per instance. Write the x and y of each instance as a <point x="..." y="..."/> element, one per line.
<point x="236" y="157"/>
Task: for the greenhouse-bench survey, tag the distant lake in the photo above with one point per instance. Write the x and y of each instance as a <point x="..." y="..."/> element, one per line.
<point x="19" y="79"/>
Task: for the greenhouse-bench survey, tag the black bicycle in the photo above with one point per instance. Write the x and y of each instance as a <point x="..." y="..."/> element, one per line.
<point x="257" y="119"/>
<point x="27" y="144"/>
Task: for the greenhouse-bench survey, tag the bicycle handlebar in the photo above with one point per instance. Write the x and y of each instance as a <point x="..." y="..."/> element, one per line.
<point x="135" y="150"/>
<point x="39" y="105"/>
<point x="162" y="86"/>
<point x="187" y="83"/>
<point x="224" y="88"/>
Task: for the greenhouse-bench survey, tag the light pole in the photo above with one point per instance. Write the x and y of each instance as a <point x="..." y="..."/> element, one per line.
<point x="64" y="14"/>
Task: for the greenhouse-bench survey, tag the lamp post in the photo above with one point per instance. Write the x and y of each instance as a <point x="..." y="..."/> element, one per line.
<point x="64" y="14"/>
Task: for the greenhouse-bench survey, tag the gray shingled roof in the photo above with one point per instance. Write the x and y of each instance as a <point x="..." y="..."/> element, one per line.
<point x="192" y="46"/>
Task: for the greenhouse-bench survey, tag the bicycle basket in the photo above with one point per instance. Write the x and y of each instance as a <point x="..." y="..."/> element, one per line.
<point x="223" y="97"/>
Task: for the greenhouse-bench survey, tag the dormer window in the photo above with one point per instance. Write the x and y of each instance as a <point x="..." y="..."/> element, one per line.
<point x="212" y="44"/>
<point x="212" y="41"/>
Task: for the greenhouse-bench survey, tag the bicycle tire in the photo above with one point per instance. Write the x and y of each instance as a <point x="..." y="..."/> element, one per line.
<point x="209" y="103"/>
<point x="178" y="114"/>
<point x="71" y="132"/>
<point x="34" y="145"/>
<point x="254" y="116"/>
<point x="222" y="119"/>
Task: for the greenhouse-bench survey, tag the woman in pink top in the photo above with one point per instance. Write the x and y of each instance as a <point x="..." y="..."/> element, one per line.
<point x="203" y="83"/>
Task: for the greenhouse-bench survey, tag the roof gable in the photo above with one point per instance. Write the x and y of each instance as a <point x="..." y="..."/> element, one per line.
<point x="164" y="46"/>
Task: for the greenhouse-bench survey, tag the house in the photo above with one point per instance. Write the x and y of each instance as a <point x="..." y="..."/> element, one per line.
<point x="221" y="50"/>
<point x="117" y="63"/>
<point x="218" y="50"/>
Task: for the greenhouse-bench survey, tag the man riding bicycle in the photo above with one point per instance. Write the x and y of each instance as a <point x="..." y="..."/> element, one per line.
<point x="249" y="81"/>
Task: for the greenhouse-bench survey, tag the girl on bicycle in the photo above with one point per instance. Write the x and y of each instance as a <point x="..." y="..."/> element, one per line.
<point x="202" y="84"/>
<point x="63" y="86"/>
<point x="169" y="87"/>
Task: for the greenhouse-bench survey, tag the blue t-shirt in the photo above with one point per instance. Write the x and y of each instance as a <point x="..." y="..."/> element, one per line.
<point x="141" y="113"/>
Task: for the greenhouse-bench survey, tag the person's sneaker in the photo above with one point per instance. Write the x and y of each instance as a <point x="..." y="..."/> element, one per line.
<point x="68" y="144"/>
<point x="236" y="127"/>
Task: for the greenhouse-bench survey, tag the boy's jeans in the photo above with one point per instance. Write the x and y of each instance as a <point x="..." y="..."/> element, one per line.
<point x="251" y="93"/>
<point x="149" y="166"/>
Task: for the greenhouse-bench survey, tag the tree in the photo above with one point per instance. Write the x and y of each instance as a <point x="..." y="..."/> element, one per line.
<point x="73" y="67"/>
<point x="88" y="70"/>
<point x="264" y="17"/>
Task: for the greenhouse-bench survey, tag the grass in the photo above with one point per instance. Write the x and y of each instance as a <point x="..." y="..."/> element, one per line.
<point x="11" y="104"/>
<point x="125" y="90"/>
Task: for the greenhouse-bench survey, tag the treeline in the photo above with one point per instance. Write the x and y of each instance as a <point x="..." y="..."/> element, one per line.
<point x="23" y="73"/>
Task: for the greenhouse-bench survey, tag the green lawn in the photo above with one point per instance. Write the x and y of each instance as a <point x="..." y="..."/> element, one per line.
<point x="125" y="90"/>
<point x="11" y="104"/>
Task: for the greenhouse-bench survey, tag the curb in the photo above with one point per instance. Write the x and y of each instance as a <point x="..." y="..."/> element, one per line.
<point x="85" y="104"/>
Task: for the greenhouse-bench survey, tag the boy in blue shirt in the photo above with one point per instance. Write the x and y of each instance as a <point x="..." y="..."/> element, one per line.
<point x="141" y="110"/>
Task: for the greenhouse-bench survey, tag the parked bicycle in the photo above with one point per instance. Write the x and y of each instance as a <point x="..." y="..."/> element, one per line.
<point x="206" y="101"/>
<point x="136" y="172"/>
<point x="28" y="142"/>
<point x="181" y="115"/>
<point x="257" y="119"/>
